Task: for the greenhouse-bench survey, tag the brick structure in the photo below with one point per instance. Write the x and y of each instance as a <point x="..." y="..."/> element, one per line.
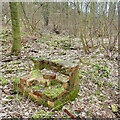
<point x="52" y="83"/>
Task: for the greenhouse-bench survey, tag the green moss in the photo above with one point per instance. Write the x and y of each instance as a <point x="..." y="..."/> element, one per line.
<point x="80" y="76"/>
<point x="15" y="27"/>
<point x="37" y="87"/>
<point x="54" y="82"/>
<point x="57" y="103"/>
<point x="52" y="92"/>
<point x="73" y="94"/>
<point x="32" y="98"/>
<point x="40" y="101"/>
<point x="57" y="60"/>
<point x="26" y="93"/>
<point x="35" y="73"/>
<point x="19" y="96"/>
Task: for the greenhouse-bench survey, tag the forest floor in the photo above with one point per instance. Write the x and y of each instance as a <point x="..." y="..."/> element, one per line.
<point x="98" y="76"/>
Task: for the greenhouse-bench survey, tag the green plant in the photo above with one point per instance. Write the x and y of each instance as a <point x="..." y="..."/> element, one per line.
<point x="2" y="82"/>
<point x="102" y="98"/>
<point x="9" y="97"/>
<point x="99" y="83"/>
<point x="18" y="62"/>
<point x="110" y="84"/>
<point x="8" y="70"/>
<point x="97" y="92"/>
<point x="82" y="71"/>
<point x="118" y="88"/>
<point x="18" y="96"/>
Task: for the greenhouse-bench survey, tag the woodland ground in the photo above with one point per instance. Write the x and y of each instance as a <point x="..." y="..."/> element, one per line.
<point x="98" y="76"/>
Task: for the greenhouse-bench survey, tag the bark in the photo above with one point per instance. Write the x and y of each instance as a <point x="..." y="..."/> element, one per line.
<point x="81" y="31"/>
<point x="16" y="45"/>
<point x="45" y="12"/>
<point x="90" y="24"/>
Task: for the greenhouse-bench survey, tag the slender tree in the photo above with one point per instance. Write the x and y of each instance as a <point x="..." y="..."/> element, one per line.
<point x="16" y="45"/>
<point x="45" y="12"/>
<point x="90" y="23"/>
<point x="81" y="31"/>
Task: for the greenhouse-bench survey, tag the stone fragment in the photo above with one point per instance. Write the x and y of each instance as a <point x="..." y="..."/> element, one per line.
<point x="65" y="85"/>
<point x="51" y="103"/>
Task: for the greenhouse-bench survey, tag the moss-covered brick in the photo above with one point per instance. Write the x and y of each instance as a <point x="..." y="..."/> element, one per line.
<point x="74" y="79"/>
<point x="24" y="78"/>
<point x="26" y="93"/>
<point x="38" y="93"/>
<point x="72" y="94"/>
<point x="49" y="76"/>
<point x="65" y="85"/>
<point x="52" y="93"/>
<point x="62" y="93"/>
<point x="21" y="87"/>
<point x="62" y="78"/>
<point x="63" y="67"/>
<point x="37" y="87"/>
<point x="33" y="96"/>
<point x="51" y="87"/>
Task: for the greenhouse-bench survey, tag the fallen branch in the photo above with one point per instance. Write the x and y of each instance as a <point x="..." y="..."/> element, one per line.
<point x="55" y="108"/>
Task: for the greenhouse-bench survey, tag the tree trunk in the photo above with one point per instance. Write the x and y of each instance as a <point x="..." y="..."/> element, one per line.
<point x="45" y="12"/>
<point x="16" y="45"/>
<point x="90" y="24"/>
<point x="81" y="32"/>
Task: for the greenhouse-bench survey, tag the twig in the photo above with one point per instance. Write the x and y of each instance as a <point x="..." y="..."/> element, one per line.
<point x="55" y="108"/>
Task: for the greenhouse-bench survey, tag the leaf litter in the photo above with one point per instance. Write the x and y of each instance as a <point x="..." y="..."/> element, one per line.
<point x="99" y="90"/>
